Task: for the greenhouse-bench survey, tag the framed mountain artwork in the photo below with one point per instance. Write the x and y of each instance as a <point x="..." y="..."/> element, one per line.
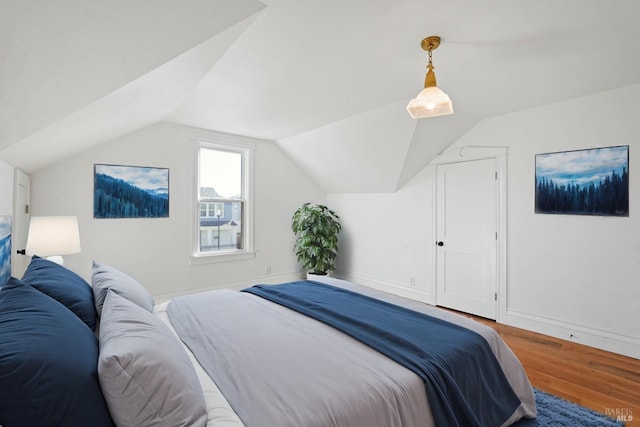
<point x="130" y="192"/>
<point x="5" y="249"/>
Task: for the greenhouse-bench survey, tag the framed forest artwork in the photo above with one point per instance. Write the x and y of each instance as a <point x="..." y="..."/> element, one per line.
<point x="5" y="249"/>
<point x="583" y="182"/>
<point x="130" y="192"/>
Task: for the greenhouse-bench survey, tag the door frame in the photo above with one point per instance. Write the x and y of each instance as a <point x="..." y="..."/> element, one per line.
<point x="19" y="235"/>
<point x="467" y="154"/>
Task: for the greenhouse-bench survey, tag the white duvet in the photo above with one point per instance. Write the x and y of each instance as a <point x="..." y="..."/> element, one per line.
<point x="221" y="413"/>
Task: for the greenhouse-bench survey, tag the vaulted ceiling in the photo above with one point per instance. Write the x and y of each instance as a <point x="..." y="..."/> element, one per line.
<point x="326" y="80"/>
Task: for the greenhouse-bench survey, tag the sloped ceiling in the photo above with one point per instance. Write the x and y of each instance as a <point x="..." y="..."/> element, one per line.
<point x="326" y="80"/>
<point x="75" y="73"/>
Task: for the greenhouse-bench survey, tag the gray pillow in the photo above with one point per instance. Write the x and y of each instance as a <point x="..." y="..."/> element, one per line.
<point x="105" y="278"/>
<point x="146" y="376"/>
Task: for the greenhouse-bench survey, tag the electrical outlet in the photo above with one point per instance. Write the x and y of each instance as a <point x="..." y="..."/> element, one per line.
<point x="268" y="269"/>
<point x="412" y="280"/>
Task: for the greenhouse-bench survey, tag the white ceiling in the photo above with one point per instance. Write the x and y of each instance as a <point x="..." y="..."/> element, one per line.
<point x="326" y="80"/>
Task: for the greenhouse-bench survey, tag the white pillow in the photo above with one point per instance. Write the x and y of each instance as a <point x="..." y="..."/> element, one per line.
<point x="105" y="278"/>
<point x="146" y="376"/>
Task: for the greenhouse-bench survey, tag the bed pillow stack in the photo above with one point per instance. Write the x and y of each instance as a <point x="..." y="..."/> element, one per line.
<point x="145" y="373"/>
<point x="105" y="278"/>
<point x="48" y="362"/>
<point x="53" y="372"/>
<point x="64" y="286"/>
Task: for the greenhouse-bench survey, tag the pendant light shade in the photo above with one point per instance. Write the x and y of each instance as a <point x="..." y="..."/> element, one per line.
<point x="431" y="101"/>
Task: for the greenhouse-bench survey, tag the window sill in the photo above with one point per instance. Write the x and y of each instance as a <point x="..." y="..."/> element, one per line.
<point x="221" y="257"/>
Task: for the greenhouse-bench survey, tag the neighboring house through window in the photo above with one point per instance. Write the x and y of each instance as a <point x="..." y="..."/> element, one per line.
<point x="224" y="212"/>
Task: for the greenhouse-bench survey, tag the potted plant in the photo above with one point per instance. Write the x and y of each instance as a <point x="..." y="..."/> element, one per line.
<point x="316" y="228"/>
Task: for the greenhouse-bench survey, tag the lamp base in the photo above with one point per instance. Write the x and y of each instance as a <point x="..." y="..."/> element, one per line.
<point x="56" y="258"/>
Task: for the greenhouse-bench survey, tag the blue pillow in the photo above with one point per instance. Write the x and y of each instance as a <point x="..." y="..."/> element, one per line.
<point x="48" y="363"/>
<point x="64" y="286"/>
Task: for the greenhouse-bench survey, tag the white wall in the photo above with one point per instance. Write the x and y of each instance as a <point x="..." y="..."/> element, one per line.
<point x="6" y="189"/>
<point x="156" y="251"/>
<point x="387" y="239"/>
<point x="575" y="277"/>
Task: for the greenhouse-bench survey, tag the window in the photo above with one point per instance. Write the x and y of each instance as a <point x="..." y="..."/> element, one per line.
<point x="224" y="214"/>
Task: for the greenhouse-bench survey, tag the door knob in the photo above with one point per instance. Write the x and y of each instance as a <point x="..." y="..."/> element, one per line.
<point x="441" y="243"/>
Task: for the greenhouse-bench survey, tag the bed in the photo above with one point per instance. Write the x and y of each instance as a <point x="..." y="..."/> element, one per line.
<point x="221" y="358"/>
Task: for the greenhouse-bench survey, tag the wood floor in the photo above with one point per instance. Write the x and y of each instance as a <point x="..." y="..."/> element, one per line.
<point x="603" y="381"/>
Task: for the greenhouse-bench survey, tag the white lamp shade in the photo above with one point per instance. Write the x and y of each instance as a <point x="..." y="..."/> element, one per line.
<point x="430" y="102"/>
<point x="53" y="235"/>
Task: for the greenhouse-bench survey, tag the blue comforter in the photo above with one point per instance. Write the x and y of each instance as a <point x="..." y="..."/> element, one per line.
<point x="465" y="384"/>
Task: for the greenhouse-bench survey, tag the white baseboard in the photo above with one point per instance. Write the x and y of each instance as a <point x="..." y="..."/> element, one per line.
<point x="267" y="279"/>
<point x="621" y="344"/>
<point x="386" y="286"/>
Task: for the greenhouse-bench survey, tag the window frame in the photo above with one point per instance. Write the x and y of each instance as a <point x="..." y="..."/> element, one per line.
<point x="234" y="144"/>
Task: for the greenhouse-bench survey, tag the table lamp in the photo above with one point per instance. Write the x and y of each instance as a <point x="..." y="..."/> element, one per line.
<point x="53" y="236"/>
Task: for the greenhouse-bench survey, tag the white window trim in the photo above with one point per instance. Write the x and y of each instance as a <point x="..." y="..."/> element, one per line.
<point x="222" y="141"/>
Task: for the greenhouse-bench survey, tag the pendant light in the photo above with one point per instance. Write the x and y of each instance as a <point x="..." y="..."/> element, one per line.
<point x="431" y="101"/>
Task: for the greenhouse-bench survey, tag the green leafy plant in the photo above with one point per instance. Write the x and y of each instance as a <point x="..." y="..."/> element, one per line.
<point x="316" y="228"/>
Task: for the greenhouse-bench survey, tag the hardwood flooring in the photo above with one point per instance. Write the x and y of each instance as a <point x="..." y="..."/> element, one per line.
<point x="605" y="382"/>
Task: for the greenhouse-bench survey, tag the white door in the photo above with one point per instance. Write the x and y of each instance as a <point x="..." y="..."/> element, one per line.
<point x="466" y="233"/>
<point x="21" y="215"/>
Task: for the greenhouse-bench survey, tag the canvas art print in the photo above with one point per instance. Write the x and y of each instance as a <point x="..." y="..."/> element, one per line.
<point x="584" y="182"/>
<point x="5" y="249"/>
<point x="130" y="192"/>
